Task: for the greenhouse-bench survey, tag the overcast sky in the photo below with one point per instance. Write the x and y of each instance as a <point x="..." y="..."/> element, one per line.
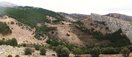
<point x="80" y="6"/>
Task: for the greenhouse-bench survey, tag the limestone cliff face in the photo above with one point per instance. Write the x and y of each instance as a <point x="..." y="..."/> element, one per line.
<point x="114" y="24"/>
<point x="120" y="16"/>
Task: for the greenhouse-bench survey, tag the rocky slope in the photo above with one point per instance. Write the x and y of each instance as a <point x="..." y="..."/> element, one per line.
<point x="74" y="17"/>
<point x="114" y="24"/>
<point x="120" y="16"/>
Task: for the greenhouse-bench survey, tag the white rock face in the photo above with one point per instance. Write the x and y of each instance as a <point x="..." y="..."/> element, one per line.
<point x="115" y="24"/>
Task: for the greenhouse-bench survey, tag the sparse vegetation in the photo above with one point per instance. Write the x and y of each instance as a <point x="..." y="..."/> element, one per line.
<point x="54" y="42"/>
<point x="12" y="42"/>
<point x="43" y="31"/>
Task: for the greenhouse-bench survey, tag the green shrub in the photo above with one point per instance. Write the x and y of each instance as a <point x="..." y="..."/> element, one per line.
<point x="77" y="51"/>
<point x="54" y="42"/>
<point x="62" y="51"/>
<point x="17" y="56"/>
<point x="37" y="46"/>
<point x="110" y="50"/>
<point x="4" y="29"/>
<point x="12" y="42"/>
<point x="125" y="52"/>
<point x="42" y="51"/>
<point x="56" y="21"/>
<point x="28" y="51"/>
<point x="9" y="56"/>
<point x="2" y="42"/>
<point x="95" y="52"/>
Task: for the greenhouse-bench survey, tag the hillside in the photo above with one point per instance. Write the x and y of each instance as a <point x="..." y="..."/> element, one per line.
<point x="40" y="30"/>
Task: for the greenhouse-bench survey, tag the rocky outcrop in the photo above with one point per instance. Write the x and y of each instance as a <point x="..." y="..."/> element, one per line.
<point x="73" y="17"/>
<point x="115" y="24"/>
<point x="120" y="16"/>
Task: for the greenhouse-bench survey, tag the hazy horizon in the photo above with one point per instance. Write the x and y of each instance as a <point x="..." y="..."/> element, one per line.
<point x="79" y="6"/>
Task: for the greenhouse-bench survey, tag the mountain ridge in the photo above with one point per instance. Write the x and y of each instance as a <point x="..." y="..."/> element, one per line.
<point x="38" y="28"/>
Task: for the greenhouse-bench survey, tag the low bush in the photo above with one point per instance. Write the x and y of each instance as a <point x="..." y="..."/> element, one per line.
<point x="42" y="51"/>
<point x="77" y="51"/>
<point x="95" y="52"/>
<point x="11" y="42"/>
<point x="54" y="42"/>
<point x="4" y="29"/>
<point x="28" y="51"/>
<point x="17" y="56"/>
<point x="37" y="46"/>
<point x="110" y="50"/>
<point x="125" y="52"/>
<point x="129" y="47"/>
<point x="9" y="56"/>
